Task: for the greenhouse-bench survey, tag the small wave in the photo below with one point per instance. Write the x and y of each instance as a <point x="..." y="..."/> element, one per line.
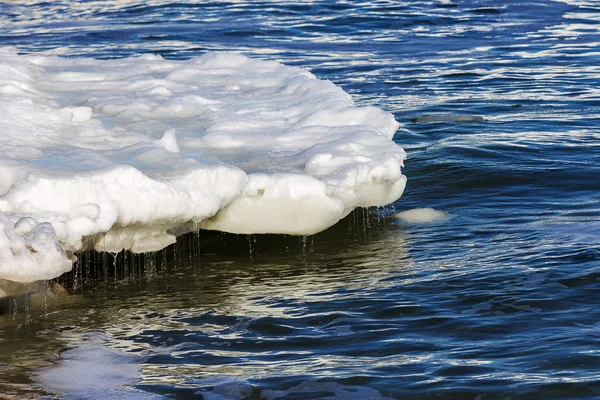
<point x="449" y="118"/>
<point x="329" y="390"/>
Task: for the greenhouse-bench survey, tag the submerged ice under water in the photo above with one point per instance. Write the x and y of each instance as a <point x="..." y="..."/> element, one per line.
<point x="499" y="105"/>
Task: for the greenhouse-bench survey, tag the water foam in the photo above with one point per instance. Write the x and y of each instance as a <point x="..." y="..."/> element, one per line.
<point x="129" y="153"/>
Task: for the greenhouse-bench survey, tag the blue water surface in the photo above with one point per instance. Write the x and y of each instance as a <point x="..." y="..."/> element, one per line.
<point x="499" y="103"/>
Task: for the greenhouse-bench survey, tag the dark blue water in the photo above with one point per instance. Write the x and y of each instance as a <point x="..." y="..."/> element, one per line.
<point x="500" y="108"/>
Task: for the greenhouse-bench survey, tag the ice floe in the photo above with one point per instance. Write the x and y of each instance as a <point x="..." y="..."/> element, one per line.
<point x="129" y="153"/>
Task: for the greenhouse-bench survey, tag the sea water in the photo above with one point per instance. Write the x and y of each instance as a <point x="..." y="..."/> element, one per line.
<point x="479" y="282"/>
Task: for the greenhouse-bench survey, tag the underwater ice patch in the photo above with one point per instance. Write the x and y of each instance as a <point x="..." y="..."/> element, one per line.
<point x="325" y="391"/>
<point x="93" y="371"/>
<point x="224" y="388"/>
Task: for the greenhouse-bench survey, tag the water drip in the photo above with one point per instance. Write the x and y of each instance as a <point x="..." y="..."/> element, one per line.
<point x="150" y="265"/>
<point x="163" y="259"/>
<point x="304" y="242"/>
<point x="250" y="248"/>
<point x="197" y="246"/>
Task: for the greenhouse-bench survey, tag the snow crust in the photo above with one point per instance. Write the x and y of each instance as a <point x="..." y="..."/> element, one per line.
<point x="129" y="153"/>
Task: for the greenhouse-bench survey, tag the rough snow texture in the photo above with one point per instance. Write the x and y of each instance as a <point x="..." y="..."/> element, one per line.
<point x="129" y="153"/>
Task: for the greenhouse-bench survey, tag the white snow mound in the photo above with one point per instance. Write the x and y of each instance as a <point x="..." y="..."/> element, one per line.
<point x="128" y="153"/>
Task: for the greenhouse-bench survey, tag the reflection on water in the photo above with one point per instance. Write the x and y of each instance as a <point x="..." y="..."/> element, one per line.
<point x="254" y="307"/>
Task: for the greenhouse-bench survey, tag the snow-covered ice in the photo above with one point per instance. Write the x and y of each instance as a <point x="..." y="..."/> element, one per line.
<point x="129" y="153"/>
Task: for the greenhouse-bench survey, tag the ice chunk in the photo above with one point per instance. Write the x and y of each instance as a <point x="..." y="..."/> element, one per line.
<point x="422" y="215"/>
<point x="128" y="153"/>
<point x="169" y="141"/>
<point x="80" y="114"/>
<point x="30" y="251"/>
